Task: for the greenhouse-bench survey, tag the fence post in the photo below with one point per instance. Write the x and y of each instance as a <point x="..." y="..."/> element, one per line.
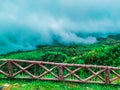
<point x="107" y="76"/>
<point x="61" y="73"/>
<point x="10" y="69"/>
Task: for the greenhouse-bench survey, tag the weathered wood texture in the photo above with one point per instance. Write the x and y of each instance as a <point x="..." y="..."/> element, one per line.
<point x="25" y="69"/>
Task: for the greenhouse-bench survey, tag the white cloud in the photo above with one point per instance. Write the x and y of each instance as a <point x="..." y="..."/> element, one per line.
<point x="27" y="23"/>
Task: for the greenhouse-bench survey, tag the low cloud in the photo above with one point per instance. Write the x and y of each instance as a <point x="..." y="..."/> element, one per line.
<point x="27" y="23"/>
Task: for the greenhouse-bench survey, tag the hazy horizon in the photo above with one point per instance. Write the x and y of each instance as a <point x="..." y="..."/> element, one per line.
<point x="27" y="23"/>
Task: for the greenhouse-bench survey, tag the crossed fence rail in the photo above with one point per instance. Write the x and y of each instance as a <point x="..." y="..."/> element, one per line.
<point x="25" y="69"/>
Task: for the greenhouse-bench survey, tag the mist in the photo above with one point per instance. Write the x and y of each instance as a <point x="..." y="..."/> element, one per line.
<point x="24" y="24"/>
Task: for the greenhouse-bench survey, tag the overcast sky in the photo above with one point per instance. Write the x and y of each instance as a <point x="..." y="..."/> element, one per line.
<point x="27" y="23"/>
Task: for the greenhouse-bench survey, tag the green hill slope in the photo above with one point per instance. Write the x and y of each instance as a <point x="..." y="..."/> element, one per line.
<point x="105" y="52"/>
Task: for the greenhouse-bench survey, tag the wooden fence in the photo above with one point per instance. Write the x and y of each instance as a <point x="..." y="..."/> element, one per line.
<point x="24" y="69"/>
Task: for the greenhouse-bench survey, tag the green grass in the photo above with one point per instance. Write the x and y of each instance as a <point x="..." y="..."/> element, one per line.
<point x="48" y="85"/>
<point x="106" y="52"/>
<point x="97" y="54"/>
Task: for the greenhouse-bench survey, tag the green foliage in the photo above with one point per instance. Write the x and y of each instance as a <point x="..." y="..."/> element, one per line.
<point x="105" y="52"/>
<point x="109" y="55"/>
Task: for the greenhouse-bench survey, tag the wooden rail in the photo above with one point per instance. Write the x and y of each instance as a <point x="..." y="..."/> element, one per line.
<point x="25" y="69"/>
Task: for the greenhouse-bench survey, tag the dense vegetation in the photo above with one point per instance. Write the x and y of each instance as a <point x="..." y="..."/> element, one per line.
<point x="105" y="52"/>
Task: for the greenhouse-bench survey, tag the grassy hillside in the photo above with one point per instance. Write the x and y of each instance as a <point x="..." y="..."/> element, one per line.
<point x="105" y="52"/>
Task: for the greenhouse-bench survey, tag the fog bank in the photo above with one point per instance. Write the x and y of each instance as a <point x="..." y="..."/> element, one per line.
<point x="27" y="23"/>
